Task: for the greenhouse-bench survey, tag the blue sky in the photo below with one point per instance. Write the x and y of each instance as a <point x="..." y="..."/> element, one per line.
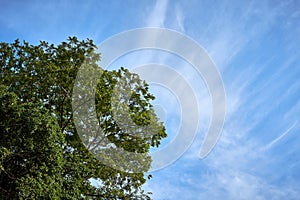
<point x="254" y="44"/>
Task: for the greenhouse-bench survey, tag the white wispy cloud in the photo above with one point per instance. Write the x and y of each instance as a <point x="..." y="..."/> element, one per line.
<point x="158" y="14"/>
<point x="233" y="184"/>
<point x="180" y="18"/>
<point x="276" y="140"/>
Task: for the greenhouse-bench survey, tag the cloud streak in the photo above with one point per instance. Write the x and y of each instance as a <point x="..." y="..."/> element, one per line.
<point x="158" y="14"/>
<point x="276" y="140"/>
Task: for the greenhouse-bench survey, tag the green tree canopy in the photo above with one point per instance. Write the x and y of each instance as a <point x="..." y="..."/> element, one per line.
<point x="41" y="153"/>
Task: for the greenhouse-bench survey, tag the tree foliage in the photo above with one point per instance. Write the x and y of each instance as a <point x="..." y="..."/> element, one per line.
<point x="41" y="153"/>
<point x="31" y="156"/>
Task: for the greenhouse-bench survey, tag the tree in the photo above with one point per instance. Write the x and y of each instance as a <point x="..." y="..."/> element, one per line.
<point x="38" y="81"/>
